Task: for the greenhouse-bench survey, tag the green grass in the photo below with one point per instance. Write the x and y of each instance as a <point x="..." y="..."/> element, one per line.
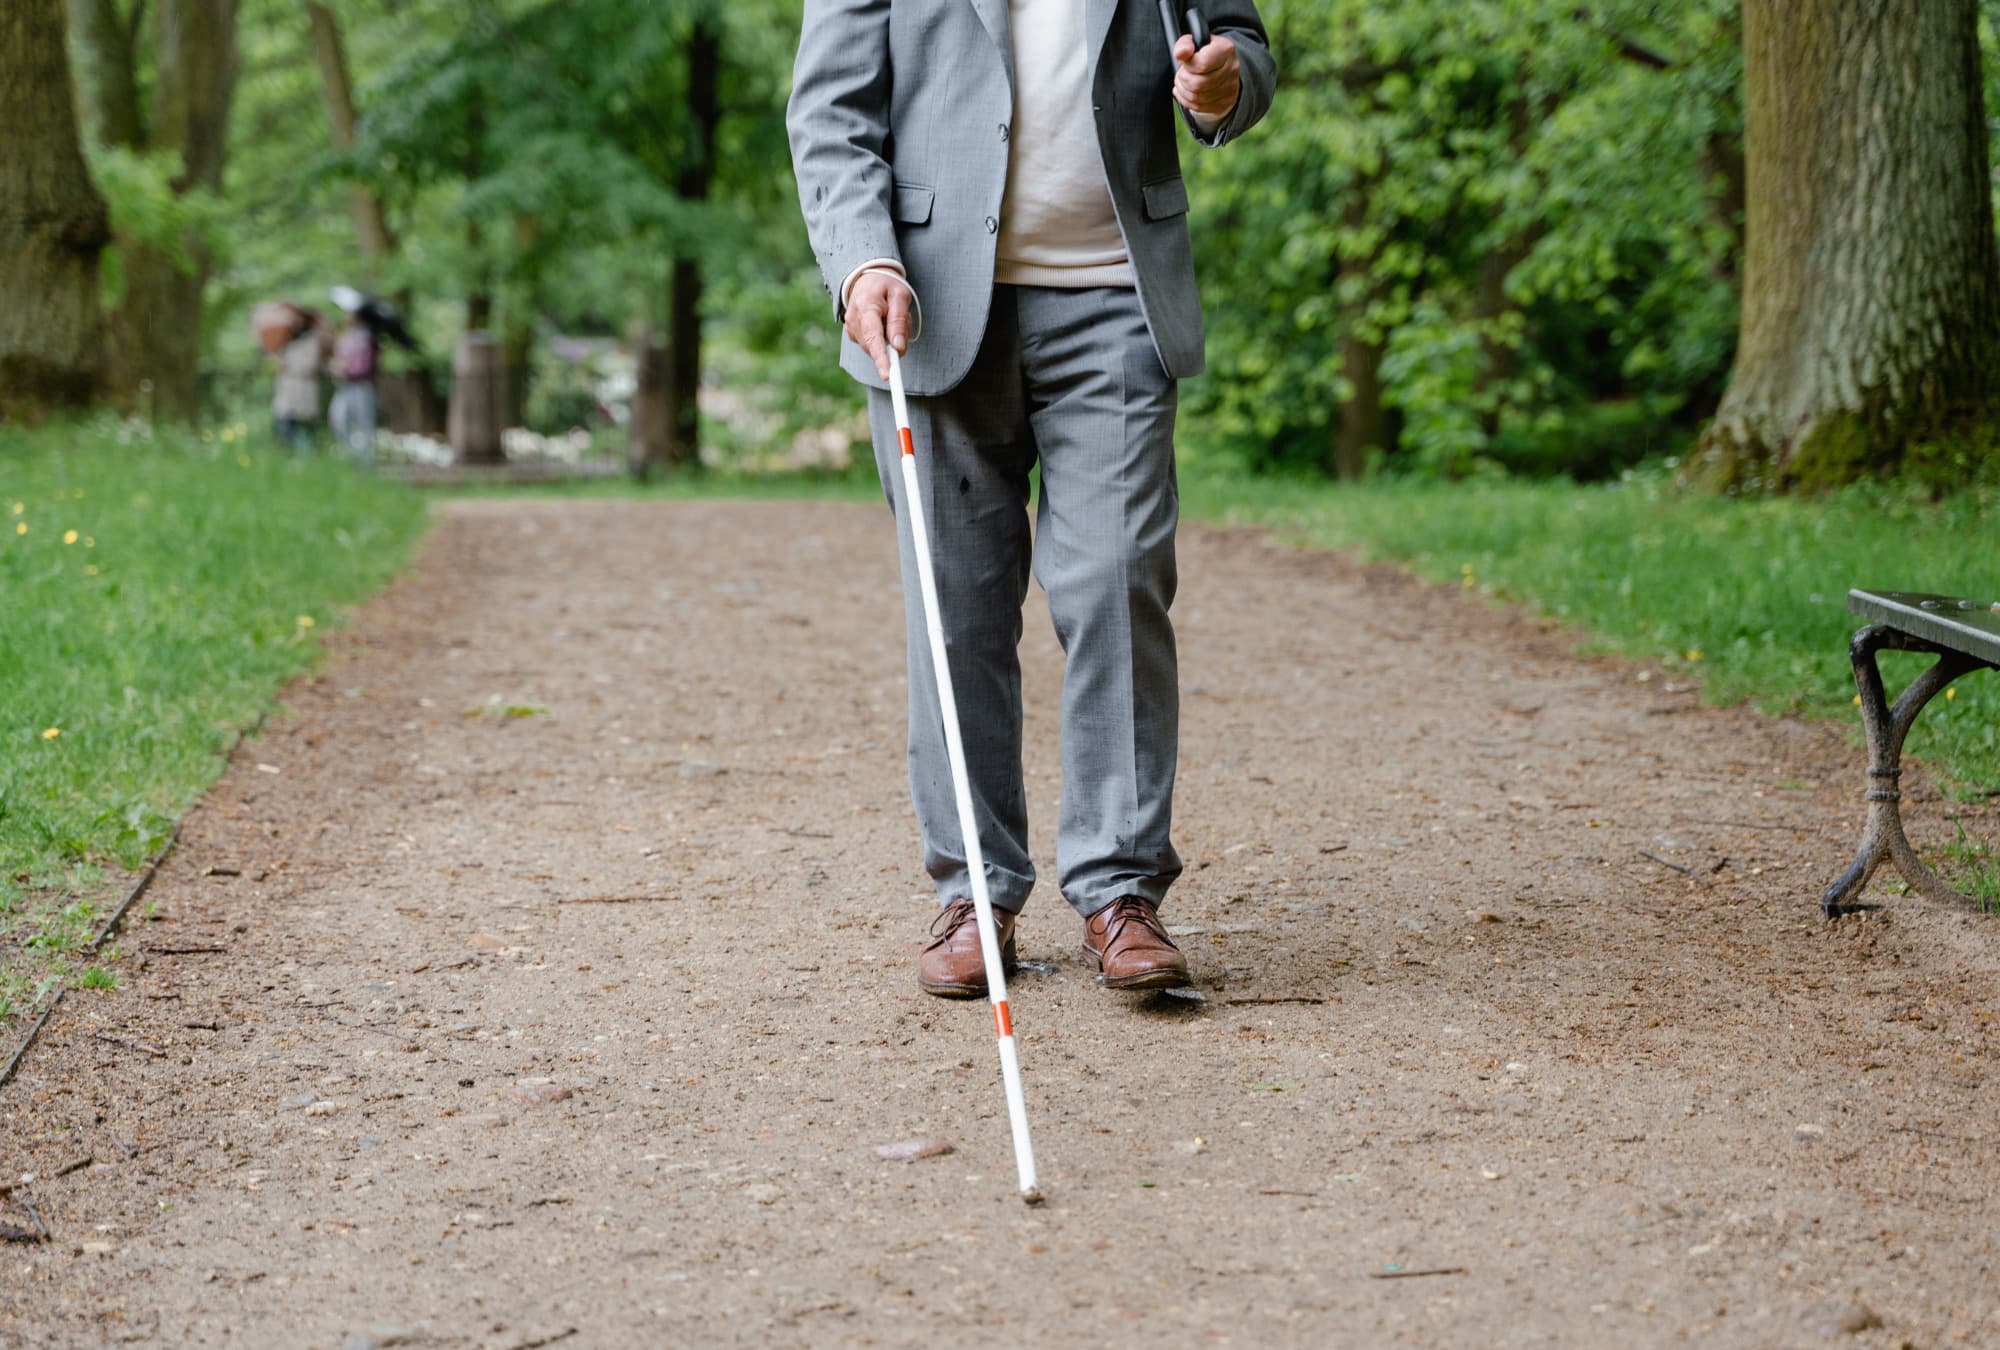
<point x="157" y="591"/>
<point x="1747" y="594"/>
<point x="1971" y="867"/>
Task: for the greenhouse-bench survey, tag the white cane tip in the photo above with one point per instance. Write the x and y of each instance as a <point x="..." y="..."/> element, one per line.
<point x="1032" y="1196"/>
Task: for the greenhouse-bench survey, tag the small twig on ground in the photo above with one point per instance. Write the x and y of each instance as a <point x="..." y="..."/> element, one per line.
<point x="123" y="1147"/>
<point x="36" y="1215"/>
<point x="1687" y="872"/>
<point x="1416" y="1274"/>
<point x="152" y="1050"/>
<point x="808" y="834"/>
<point x="9" y="1233"/>
<point x="76" y="1166"/>
<point x="620" y="900"/>
<point x="1275" y="1191"/>
<point x="1276" y="998"/>
<point x="1748" y="824"/>
<point x="182" y="951"/>
<point x="562" y="1335"/>
<point x="202" y="1026"/>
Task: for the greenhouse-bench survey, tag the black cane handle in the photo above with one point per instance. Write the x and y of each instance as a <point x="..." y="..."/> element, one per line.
<point x="1196" y="25"/>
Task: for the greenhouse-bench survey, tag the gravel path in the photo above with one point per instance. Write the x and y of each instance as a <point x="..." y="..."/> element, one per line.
<point x="546" y="977"/>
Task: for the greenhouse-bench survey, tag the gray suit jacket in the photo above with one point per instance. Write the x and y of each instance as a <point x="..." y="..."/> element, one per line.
<point x="899" y="119"/>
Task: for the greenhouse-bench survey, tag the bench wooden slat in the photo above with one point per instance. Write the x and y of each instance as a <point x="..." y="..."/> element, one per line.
<point x="1969" y="626"/>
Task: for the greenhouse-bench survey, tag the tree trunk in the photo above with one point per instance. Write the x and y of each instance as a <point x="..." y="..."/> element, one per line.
<point x="479" y="296"/>
<point x="477" y="393"/>
<point x="155" y="360"/>
<point x="1364" y="419"/>
<point x="107" y="43"/>
<point x="371" y="226"/>
<point x="1492" y="308"/>
<point x="646" y="433"/>
<point x="1871" y="304"/>
<point x="681" y="443"/>
<point x="52" y="222"/>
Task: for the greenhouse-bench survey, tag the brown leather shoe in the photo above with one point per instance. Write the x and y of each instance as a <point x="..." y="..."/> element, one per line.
<point x="952" y="966"/>
<point x="1126" y="942"/>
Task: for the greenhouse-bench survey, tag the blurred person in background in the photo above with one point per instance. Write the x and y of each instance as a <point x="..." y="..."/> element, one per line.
<point x="356" y="357"/>
<point x="295" y="399"/>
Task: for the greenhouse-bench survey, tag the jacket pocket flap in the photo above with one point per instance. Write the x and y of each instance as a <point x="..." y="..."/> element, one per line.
<point x="1164" y="198"/>
<point x="910" y="203"/>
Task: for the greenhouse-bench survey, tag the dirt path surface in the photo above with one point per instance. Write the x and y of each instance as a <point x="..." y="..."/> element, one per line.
<point x="582" y="1025"/>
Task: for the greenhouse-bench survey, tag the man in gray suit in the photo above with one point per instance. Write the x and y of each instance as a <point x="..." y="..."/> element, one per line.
<point x="1001" y="179"/>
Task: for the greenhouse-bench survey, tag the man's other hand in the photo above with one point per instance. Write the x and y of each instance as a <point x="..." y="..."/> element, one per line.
<point x="1207" y="81"/>
<point x="878" y="314"/>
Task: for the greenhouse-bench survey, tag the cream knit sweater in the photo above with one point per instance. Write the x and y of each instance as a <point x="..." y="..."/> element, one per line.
<point x="1057" y="225"/>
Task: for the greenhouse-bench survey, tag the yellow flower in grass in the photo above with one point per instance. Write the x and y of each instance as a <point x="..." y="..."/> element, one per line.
<point x="19" y="507"/>
<point x="69" y="536"/>
<point x="1694" y="654"/>
<point x="90" y="569"/>
<point x="21" y="528"/>
<point x="305" y="621"/>
<point x="51" y="733"/>
<point x="89" y="542"/>
<point x="1951" y="693"/>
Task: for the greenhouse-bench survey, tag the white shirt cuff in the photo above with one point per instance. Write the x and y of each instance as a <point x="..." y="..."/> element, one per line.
<point x="872" y="265"/>
<point x="1206" y="123"/>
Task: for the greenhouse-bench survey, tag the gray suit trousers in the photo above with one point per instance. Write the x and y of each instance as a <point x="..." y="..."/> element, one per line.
<point x="1072" y="379"/>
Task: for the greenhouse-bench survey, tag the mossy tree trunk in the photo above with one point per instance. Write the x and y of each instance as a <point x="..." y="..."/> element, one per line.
<point x="52" y="222"/>
<point x="677" y="440"/>
<point x="1871" y="306"/>
<point x="371" y="222"/>
<point x="1364" y="424"/>
<point x="153" y="353"/>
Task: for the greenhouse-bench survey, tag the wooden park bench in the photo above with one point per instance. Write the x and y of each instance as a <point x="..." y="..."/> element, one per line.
<point x="1964" y="635"/>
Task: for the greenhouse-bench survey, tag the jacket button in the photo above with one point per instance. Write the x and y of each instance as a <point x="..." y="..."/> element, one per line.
<point x="992" y="225"/>
<point x="1003" y="131"/>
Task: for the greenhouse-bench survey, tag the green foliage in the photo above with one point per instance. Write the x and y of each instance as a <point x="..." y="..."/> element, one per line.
<point x="147" y="212"/>
<point x="159" y="588"/>
<point x="1513" y="198"/>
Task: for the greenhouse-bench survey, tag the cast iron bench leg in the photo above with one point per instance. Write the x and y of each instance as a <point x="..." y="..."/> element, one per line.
<point x="1887" y="727"/>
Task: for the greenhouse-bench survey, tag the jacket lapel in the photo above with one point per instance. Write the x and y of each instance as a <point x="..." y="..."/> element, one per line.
<point x="993" y="13"/>
<point x="1097" y="16"/>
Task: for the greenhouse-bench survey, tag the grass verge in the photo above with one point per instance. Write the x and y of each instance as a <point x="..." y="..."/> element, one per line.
<point x="159" y="588"/>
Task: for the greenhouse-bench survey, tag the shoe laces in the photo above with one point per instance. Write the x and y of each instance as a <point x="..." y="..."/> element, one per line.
<point x="1126" y="909"/>
<point x="949" y="920"/>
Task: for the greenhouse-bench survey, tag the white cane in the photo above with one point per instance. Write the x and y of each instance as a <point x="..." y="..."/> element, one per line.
<point x="975" y="862"/>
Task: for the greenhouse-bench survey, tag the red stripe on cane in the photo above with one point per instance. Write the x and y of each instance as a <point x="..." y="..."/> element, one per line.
<point x="1003" y="1019"/>
<point x="909" y="446"/>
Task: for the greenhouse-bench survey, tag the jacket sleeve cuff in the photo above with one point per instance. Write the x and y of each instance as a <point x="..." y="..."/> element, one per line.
<point x="1211" y="129"/>
<point x="872" y="265"/>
